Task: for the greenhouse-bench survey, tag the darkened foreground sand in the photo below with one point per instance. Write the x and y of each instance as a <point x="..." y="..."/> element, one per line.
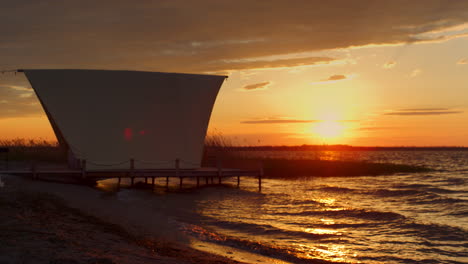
<point x="37" y="227"/>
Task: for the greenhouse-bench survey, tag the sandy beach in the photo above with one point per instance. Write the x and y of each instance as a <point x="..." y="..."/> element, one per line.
<point x="39" y="226"/>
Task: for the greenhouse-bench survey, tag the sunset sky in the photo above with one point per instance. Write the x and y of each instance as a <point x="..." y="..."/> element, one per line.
<point x="300" y="72"/>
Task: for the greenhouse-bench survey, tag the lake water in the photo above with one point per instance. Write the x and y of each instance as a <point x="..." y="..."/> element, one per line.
<point x="405" y="218"/>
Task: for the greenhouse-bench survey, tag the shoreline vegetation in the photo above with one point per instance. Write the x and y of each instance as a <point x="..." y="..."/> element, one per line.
<point x="218" y="149"/>
<point x="303" y="168"/>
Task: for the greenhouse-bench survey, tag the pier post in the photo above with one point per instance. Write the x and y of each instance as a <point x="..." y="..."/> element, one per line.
<point x="5" y="150"/>
<point x="167" y="182"/>
<point x="206" y="180"/>
<point x="146" y="180"/>
<point x="83" y="168"/>
<point x="238" y="181"/>
<point x="118" y="183"/>
<point x="220" y="171"/>
<point x="132" y="168"/>
<point x="181" y="179"/>
<point x="198" y="181"/>
<point x="152" y="181"/>
<point x="260" y="174"/>
<point x="177" y="166"/>
<point x="33" y="170"/>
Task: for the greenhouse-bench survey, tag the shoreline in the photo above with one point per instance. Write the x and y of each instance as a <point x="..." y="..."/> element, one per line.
<point x="45" y="222"/>
<point x="41" y="227"/>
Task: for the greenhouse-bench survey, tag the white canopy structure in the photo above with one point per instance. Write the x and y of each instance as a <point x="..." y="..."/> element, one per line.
<point x="108" y="117"/>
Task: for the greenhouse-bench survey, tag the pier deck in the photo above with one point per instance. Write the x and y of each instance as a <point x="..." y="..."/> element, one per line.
<point x="207" y="175"/>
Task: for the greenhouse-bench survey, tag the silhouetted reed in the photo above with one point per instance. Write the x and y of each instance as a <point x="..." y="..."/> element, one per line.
<point x="33" y="149"/>
<point x="219" y="150"/>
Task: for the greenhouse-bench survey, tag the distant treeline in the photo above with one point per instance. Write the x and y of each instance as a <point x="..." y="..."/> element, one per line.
<point x="341" y="148"/>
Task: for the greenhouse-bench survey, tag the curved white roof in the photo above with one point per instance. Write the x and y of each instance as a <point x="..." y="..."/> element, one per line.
<point x="109" y="117"/>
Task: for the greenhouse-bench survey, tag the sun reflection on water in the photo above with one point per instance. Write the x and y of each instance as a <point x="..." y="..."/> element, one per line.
<point x="321" y="231"/>
<point x="333" y="253"/>
<point x="328" y="221"/>
<point x="327" y="201"/>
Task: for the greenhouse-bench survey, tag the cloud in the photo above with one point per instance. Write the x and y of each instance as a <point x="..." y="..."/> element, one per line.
<point x="462" y="61"/>
<point x="18" y="101"/>
<point x="209" y="35"/>
<point x="230" y="65"/>
<point x="423" y="112"/>
<point x="375" y="128"/>
<point x="277" y="121"/>
<point x="389" y="65"/>
<point x="423" y="109"/>
<point x="416" y="72"/>
<point x="256" y="86"/>
<point x="336" y="77"/>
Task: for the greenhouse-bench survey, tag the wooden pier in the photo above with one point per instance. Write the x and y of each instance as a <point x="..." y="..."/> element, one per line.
<point x="209" y="175"/>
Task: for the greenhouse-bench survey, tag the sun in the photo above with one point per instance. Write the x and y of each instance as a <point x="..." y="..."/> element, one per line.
<point x="328" y="129"/>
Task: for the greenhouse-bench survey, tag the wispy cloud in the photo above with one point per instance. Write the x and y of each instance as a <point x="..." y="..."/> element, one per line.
<point x="18" y="101"/>
<point x="335" y="77"/>
<point x="462" y="61"/>
<point x="19" y="88"/>
<point x="424" y="109"/>
<point x="423" y="112"/>
<point x="389" y="65"/>
<point x="374" y="128"/>
<point x="277" y="121"/>
<point x="258" y="63"/>
<point x="416" y="72"/>
<point x="256" y="86"/>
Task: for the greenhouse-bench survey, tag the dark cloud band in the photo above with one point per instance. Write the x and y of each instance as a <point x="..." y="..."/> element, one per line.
<point x="424" y="112"/>
<point x="277" y="121"/>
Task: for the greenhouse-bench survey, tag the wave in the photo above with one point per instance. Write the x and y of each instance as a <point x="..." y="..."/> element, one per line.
<point x="396" y="259"/>
<point x="435" y="199"/>
<point x="442" y="190"/>
<point x="411" y="186"/>
<point x="352" y="213"/>
<point x="392" y="193"/>
<point x="267" y="249"/>
<point x="435" y="232"/>
<point x="419" y="197"/>
<point x="265" y="230"/>
<point x="400" y="190"/>
<point x="336" y="189"/>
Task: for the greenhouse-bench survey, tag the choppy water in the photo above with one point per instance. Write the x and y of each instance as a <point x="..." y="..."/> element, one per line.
<point x="407" y="218"/>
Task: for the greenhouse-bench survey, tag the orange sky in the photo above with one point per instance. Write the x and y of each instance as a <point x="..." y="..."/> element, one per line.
<point x="304" y="72"/>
